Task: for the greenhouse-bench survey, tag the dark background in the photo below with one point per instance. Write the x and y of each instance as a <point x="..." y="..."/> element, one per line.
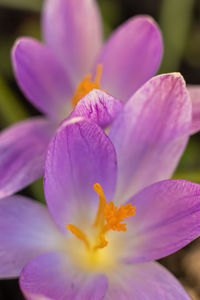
<point x="180" y="24"/>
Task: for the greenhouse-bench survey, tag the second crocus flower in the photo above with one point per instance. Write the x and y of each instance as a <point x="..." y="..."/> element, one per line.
<point x="55" y="75"/>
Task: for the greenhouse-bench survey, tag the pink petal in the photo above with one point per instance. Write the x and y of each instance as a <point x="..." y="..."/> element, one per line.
<point x="151" y="133"/>
<point x="26" y="230"/>
<point x="147" y="281"/>
<point x="22" y="151"/>
<point x="166" y="220"/>
<point x="98" y="107"/>
<point x="42" y="78"/>
<point x="53" y="277"/>
<point x="73" y="30"/>
<point x="194" y="92"/>
<point x="131" y="56"/>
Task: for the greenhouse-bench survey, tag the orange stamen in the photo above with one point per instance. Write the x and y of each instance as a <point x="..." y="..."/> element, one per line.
<point x="102" y="243"/>
<point x="86" y="85"/>
<point x="109" y="213"/>
<point x="79" y="234"/>
<point x="102" y="202"/>
<point x="108" y="217"/>
<point x="115" y="216"/>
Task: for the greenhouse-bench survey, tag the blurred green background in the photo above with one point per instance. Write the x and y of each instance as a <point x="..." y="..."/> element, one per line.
<point x="180" y="24"/>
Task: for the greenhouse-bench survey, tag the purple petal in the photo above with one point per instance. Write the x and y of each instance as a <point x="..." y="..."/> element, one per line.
<point x="194" y="92"/>
<point x="42" y="78"/>
<point x="131" y="56"/>
<point x="22" y="151"/>
<point x="98" y="107"/>
<point x="167" y="219"/>
<point x="52" y="276"/>
<point x="79" y="156"/>
<point x="147" y="281"/>
<point x="151" y="133"/>
<point x="26" y="230"/>
<point x="73" y="30"/>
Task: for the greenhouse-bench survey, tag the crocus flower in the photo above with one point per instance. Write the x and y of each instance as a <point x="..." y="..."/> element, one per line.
<point x="105" y="229"/>
<point x="71" y="62"/>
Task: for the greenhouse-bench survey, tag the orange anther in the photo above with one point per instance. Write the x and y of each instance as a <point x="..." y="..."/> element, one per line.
<point x="86" y="85"/>
<point x="115" y="216"/>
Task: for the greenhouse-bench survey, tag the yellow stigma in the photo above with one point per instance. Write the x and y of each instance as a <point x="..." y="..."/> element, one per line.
<point x="108" y="217"/>
<point x="86" y="85"/>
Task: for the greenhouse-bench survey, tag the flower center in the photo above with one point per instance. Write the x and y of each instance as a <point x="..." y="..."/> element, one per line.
<point x="86" y="85"/>
<point x="108" y="217"/>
